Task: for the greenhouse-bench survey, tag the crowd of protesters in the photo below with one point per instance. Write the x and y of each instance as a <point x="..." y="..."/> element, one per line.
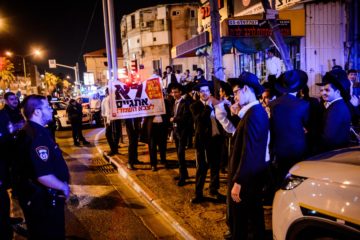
<point x="256" y="131"/>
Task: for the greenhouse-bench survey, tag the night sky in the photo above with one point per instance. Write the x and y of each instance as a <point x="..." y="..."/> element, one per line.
<point x="60" y="27"/>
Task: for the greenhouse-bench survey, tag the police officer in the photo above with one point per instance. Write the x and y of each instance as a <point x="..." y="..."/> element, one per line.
<point x="74" y="111"/>
<point x="41" y="175"/>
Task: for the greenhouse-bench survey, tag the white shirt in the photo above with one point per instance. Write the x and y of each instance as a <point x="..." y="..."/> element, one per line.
<point x="273" y="66"/>
<point x="245" y="108"/>
<point x="327" y="104"/>
<point x="105" y="108"/>
<point x="95" y="104"/>
<point x="221" y="116"/>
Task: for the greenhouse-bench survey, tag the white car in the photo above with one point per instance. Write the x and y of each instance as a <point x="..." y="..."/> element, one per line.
<point x="61" y="116"/>
<point x="320" y="198"/>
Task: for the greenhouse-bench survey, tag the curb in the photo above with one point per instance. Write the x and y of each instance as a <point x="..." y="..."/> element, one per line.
<point x="144" y="191"/>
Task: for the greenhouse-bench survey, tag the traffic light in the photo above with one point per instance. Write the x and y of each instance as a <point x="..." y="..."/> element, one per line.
<point x="134" y="66"/>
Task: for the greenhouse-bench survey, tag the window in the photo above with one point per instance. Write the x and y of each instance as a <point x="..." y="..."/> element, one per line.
<point x="194" y="67"/>
<point x="177" y="67"/>
<point x="156" y="64"/>
<point x="133" y="25"/>
<point x="192" y="13"/>
<point x="154" y="39"/>
<point x="175" y="13"/>
<point x="138" y="40"/>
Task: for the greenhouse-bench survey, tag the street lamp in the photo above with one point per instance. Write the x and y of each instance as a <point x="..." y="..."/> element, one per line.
<point x="36" y="52"/>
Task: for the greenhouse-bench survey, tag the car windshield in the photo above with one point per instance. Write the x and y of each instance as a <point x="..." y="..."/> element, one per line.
<point x="346" y="155"/>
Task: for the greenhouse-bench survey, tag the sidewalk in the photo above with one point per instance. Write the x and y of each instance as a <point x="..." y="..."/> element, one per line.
<point x="199" y="221"/>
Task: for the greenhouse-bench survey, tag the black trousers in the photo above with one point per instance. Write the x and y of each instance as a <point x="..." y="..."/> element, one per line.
<point x="181" y="139"/>
<point x="43" y="220"/>
<point x="76" y="127"/>
<point x="6" y="231"/>
<point x="208" y="156"/>
<point x="247" y="217"/>
<point x="157" y="140"/>
<point x="132" y="130"/>
<point x="113" y="132"/>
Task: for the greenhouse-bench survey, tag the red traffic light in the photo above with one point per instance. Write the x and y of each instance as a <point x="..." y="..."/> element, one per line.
<point x="134" y="66"/>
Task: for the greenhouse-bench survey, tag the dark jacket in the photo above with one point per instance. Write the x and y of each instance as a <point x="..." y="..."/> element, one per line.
<point x="336" y="126"/>
<point x="201" y="117"/>
<point x="183" y="118"/>
<point x="250" y="140"/>
<point x="147" y="127"/>
<point x="5" y="142"/>
<point x="288" y="118"/>
<point x="74" y="112"/>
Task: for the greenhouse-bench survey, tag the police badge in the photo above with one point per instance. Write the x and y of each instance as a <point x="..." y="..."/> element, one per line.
<point x="43" y="153"/>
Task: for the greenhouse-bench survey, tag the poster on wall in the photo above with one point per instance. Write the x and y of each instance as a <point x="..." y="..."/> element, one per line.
<point x="136" y="99"/>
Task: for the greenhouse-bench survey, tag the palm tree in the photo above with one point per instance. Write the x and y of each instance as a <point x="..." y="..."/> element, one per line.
<point x="6" y="73"/>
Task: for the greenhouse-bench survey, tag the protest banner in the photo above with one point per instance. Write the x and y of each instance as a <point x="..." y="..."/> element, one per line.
<point x="136" y="99"/>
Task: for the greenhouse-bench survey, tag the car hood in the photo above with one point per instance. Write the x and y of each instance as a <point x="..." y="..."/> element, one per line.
<point x="335" y="172"/>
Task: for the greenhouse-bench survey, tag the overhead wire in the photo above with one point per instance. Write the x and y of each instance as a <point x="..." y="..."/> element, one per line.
<point x="87" y="31"/>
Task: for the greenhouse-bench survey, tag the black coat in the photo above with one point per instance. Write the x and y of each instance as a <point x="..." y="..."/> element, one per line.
<point x="288" y="118"/>
<point x="249" y="146"/>
<point x="183" y="119"/>
<point x="74" y="112"/>
<point x="201" y="117"/>
<point x="336" y="126"/>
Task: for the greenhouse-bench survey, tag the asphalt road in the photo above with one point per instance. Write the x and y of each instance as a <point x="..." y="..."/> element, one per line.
<point x="101" y="206"/>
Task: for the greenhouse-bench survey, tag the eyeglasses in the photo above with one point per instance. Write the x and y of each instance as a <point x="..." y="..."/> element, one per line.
<point x="236" y="90"/>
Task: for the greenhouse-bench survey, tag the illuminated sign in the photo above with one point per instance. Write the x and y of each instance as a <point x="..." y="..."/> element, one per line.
<point x="205" y="10"/>
<point x="89" y="78"/>
<point x="256" y="28"/>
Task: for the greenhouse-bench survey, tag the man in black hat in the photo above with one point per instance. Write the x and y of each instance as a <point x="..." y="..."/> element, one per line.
<point x="289" y="118"/>
<point x="247" y="162"/>
<point x="199" y="76"/>
<point x="336" y="121"/>
<point x="181" y="120"/>
<point x="208" y="138"/>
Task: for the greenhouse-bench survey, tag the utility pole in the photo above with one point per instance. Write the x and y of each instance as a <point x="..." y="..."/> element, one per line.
<point x="278" y="38"/>
<point x="216" y="42"/>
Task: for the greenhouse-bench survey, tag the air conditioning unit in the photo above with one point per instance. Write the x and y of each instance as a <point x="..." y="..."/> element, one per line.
<point x="144" y="24"/>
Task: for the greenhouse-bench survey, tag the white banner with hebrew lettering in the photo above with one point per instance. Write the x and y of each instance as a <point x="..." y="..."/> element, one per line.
<point x="136" y="99"/>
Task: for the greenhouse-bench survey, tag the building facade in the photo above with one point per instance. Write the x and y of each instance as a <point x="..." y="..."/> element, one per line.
<point x="149" y="34"/>
<point x="319" y="34"/>
<point x="96" y="63"/>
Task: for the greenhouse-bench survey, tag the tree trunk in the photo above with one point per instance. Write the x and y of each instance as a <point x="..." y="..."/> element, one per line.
<point x="278" y="38"/>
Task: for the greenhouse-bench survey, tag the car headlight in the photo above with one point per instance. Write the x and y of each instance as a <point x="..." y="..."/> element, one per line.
<point x="291" y="182"/>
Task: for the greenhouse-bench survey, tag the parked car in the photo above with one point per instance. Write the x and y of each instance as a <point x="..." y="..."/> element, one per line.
<point x="320" y="198"/>
<point x="61" y="116"/>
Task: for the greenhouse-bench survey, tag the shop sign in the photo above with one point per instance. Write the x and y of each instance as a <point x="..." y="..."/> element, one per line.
<point x="256" y="28"/>
<point x="281" y="4"/>
<point x="205" y="10"/>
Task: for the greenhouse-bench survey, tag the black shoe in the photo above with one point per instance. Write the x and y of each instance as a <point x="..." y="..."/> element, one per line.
<point x="227" y="235"/>
<point x="154" y="168"/>
<point x="181" y="182"/>
<point x="85" y="142"/>
<point x="197" y="200"/>
<point x="130" y="166"/>
<point x="16" y="220"/>
<point x="112" y="153"/>
<point x="137" y="161"/>
<point x="221" y="198"/>
<point x="77" y="144"/>
<point x="166" y="165"/>
<point x="176" y="178"/>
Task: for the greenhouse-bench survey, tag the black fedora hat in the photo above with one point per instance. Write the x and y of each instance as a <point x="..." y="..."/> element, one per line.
<point x="339" y="79"/>
<point x="176" y="85"/>
<point x="200" y="70"/>
<point x="291" y="81"/>
<point x="249" y="79"/>
<point x="204" y="83"/>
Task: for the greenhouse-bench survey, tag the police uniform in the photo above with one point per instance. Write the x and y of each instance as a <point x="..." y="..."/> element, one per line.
<point x="43" y="207"/>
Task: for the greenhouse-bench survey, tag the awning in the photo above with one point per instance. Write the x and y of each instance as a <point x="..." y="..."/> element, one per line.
<point x="251" y="44"/>
<point x="188" y="48"/>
